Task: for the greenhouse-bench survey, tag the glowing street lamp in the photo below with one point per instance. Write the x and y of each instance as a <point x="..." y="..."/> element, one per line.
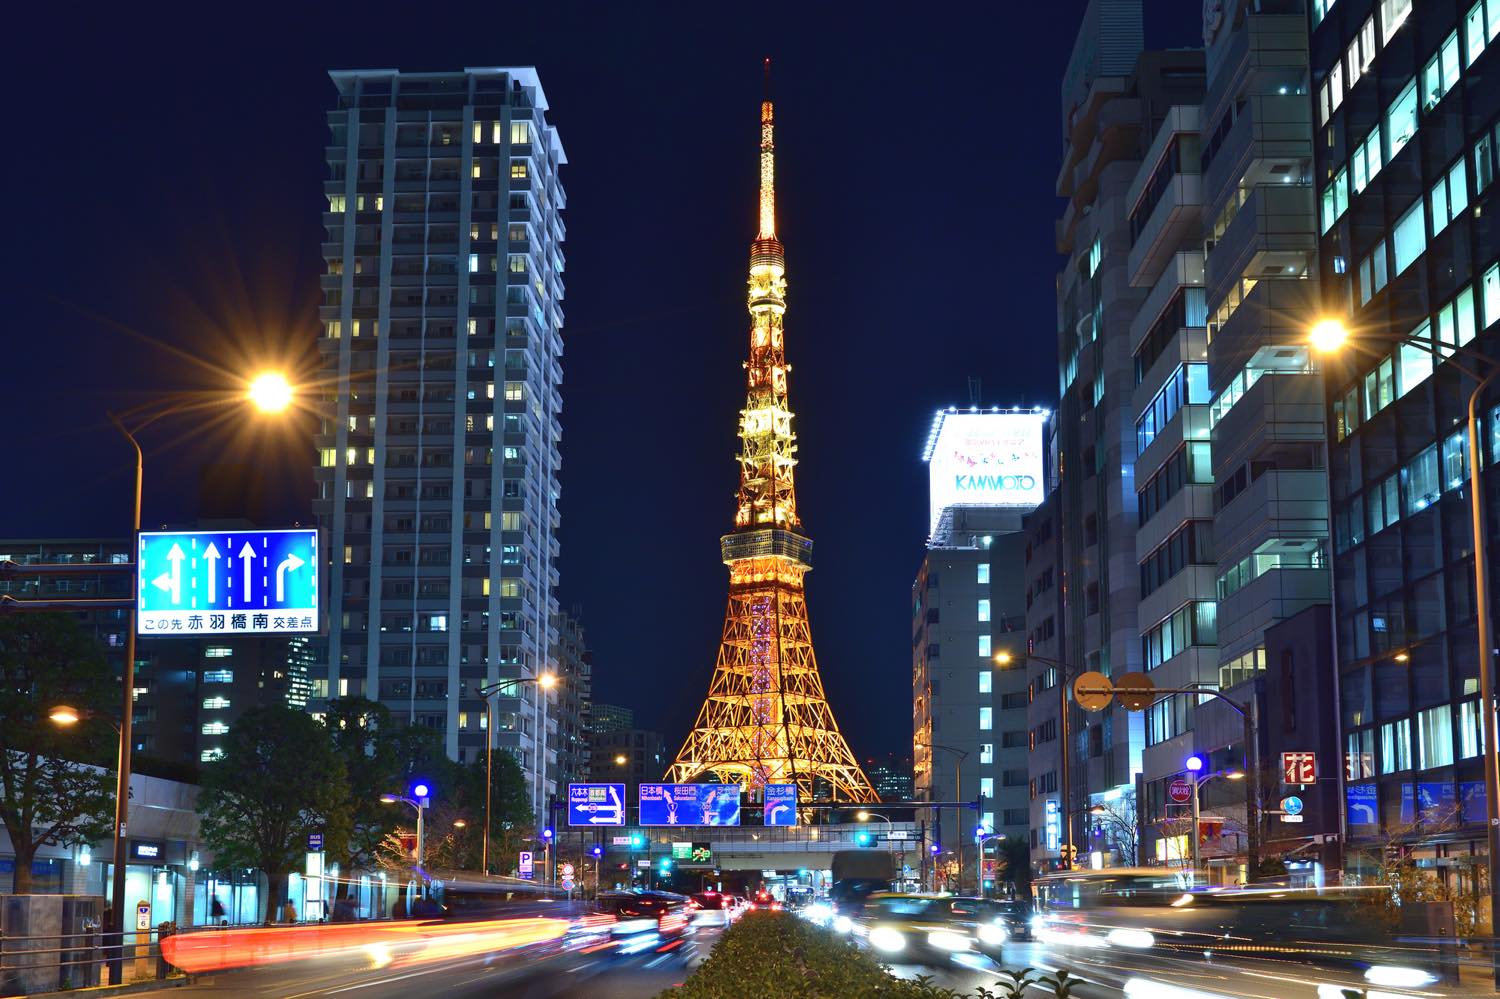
<point x="270" y="392"/>
<point x="1328" y="335"/>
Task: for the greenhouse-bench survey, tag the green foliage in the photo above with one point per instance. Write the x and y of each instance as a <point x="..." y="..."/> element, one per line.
<point x="280" y="778"/>
<point x="770" y="955"/>
<point x="48" y="794"/>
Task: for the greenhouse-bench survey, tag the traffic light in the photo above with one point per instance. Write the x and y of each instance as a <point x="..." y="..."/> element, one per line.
<point x="666" y="864"/>
<point x="637" y="841"/>
<point x="864" y="838"/>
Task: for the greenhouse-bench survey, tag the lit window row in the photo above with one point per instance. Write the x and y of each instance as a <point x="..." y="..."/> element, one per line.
<point x="1454" y="325"/>
<point x="1276" y="553"/>
<point x="1186" y="386"/>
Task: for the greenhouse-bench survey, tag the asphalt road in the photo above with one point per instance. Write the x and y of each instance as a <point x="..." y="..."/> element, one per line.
<point x="1106" y="975"/>
<point x="521" y="975"/>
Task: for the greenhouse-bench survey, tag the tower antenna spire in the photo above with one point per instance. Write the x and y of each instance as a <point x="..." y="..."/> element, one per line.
<point x="766" y="88"/>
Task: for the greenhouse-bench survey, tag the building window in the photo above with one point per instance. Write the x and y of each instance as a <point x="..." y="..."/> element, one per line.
<point x="985" y="646"/>
<point x="987" y="752"/>
<point x="515" y="391"/>
<point x="1435" y="737"/>
<point x="987" y="787"/>
<point x="1393" y="14"/>
<point x="215" y="703"/>
<point x="520" y="133"/>
<point x="215" y="728"/>
<point x="217" y="652"/>
<point x="1440" y="73"/>
<point x="986" y="679"/>
<point x="1449" y="196"/>
<point x="1401" y="121"/>
<point x="984" y="610"/>
<point x="1395" y="746"/>
<point x="209" y="755"/>
<point x="517" y="169"/>
<point x="983" y="573"/>
<point x="986" y="719"/>
<point x="218" y="676"/>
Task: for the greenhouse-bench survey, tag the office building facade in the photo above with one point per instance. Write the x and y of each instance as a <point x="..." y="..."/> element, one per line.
<point x="1406" y="108"/>
<point x="1126" y="220"/>
<point x="437" y="477"/>
<point x="969" y="689"/>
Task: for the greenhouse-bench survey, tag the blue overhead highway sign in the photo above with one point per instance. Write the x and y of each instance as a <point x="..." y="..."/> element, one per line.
<point x="227" y="582"/>
<point x="780" y="805"/>
<point x="596" y="804"/>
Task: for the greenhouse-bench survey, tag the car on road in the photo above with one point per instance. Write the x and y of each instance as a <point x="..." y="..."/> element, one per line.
<point x="764" y="900"/>
<point x="711" y="908"/>
<point x="921" y="929"/>
<point x="1013" y="915"/>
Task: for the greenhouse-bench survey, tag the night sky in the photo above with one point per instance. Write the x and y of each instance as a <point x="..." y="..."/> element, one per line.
<point x="164" y="198"/>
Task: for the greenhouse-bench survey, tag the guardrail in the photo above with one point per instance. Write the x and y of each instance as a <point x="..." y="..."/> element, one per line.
<point x="54" y="961"/>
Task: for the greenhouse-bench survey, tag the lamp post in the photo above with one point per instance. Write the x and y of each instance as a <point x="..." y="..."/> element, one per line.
<point x="269" y="393"/>
<point x="958" y="795"/>
<point x="546" y="681"/>
<point x="1064" y="673"/>
<point x="420" y="798"/>
<point x="1194" y="765"/>
<point x="1329" y="336"/>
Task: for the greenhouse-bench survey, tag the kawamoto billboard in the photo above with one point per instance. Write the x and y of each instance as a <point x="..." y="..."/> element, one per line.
<point x="986" y="459"/>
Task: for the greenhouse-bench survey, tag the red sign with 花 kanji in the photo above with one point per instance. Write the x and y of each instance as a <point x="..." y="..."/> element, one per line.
<point x="1299" y="768"/>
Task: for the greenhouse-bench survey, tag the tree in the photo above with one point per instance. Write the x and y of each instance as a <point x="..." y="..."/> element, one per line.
<point x="458" y="794"/>
<point x="48" y="797"/>
<point x="280" y="778"/>
<point x="1116" y="822"/>
<point x="365" y="737"/>
<point x="1015" y="866"/>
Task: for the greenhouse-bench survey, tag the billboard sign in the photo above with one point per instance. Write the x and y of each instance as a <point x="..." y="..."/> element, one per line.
<point x="197" y="583"/>
<point x="690" y="804"/>
<point x="596" y="805"/>
<point x="986" y="459"/>
<point x="780" y="805"/>
<point x="1299" y="768"/>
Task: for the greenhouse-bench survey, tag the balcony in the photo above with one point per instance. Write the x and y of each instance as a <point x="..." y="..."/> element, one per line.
<point x="1274" y="314"/>
<point x="1267" y="44"/>
<point x="1281" y="503"/>
<point x="1184" y="271"/>
<point x="1270" y="140"/>
<point x="1271" y="236"/>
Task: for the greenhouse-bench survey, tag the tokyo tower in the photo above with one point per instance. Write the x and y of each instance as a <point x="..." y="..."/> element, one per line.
<point x="766" y="719"/>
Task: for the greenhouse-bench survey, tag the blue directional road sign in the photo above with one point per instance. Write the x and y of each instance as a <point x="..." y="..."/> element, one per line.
<point x="781" y="805"/>
<point x="596" y="804"/>
<point x="690" y="804"/>
<point x="227" y="583"/>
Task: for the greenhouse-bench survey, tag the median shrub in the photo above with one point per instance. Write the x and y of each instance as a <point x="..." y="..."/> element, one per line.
<point x="771" y="955"/>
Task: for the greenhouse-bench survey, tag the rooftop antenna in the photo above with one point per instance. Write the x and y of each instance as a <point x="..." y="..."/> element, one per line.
<point x="767" y="85"/>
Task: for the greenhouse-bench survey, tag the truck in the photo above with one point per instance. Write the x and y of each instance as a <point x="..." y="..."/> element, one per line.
<point x="857" y="874"/>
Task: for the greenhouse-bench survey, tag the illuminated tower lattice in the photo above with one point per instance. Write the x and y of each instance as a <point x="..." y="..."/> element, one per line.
<point x="766" y="719"/>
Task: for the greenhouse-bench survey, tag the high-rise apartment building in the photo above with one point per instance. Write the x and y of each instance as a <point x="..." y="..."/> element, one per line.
<point x="574" y="694"/>
<point x="1126" y="220"/>
<point x="437" y="478"/>
<point x="892" y="777"/>
<point x="969" y="696"/>
<point x="1406" y="109"/>
<point x="610" y="718"/>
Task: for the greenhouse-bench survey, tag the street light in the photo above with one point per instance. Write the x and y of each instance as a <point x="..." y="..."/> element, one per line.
<point x="1194" y="764"/>
<point x="620" y="760"/>
<point x="1328" y="336"/>
<point x="262" y="393"/>
<point x="420" y="794"/>
<point x="270" y="392"/>
<point x="958" y="796"/>
<point x="546" y="681"/>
